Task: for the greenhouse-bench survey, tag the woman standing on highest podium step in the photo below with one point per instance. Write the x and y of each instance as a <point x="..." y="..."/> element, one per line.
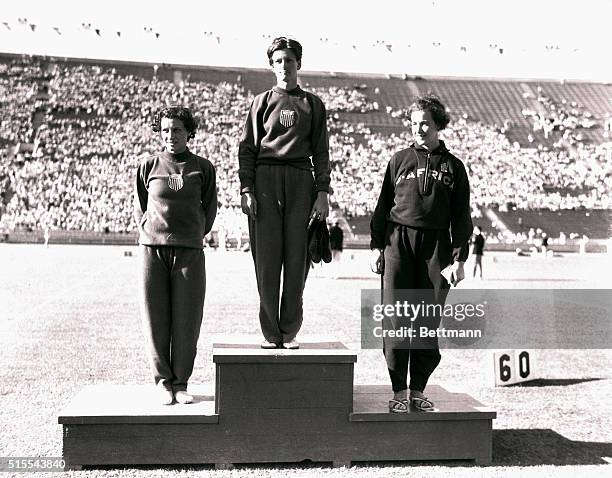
<point x="285" y="127"/>
<point x="425" y="194"/>
<point x="175" y="205"/>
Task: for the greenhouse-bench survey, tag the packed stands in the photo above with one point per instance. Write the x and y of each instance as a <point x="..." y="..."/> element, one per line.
<point x="71" y="133"/>
<point x="18" y="100"/>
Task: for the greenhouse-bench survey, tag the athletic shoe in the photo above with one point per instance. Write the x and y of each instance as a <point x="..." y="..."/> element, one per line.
<point x="318" y="242"/>
<point x="165" y="397"/>
<point x="183" y="397"/>
<point x="314" y="242"/>
<point x="326" y="255"/>
<point x="268" y="345"/>
<point x="292" y="345"/>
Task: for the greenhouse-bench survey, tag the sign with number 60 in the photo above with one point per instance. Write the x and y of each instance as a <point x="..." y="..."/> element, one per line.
<point x="514" y="366"/>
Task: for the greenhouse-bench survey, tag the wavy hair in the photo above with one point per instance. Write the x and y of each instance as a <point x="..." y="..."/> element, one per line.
<point x="431" y="103"/>
<point x="284" y="43"/>
<point x="178" y="112"/>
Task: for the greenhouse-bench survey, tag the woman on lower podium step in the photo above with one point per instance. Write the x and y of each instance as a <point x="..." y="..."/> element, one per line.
<point x="175" y="205"/>
<point x="421" y="225"/>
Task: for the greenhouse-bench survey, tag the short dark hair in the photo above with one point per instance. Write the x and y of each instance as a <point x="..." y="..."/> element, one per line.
<point x="178" y="112"/>
<point x="284" y="43"/>
<point x="431" y="103"/>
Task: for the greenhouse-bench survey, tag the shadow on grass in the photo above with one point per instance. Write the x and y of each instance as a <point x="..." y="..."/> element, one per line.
<point x="554" y="382"/>
<point x="203" y="398"/>
<point x="545" y="447"/>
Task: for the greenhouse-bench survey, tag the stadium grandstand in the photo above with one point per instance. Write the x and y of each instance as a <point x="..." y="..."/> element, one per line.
<point x="538" y="152"/>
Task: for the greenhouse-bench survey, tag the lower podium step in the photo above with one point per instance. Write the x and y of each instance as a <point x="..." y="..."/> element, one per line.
<point x="108" y="424"/>
<point x="271" y="407"/>
<point x="106" y="404"/>
<point x="459" y="428"/>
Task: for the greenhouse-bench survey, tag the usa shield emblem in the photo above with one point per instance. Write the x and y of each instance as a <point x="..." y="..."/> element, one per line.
<point x="287" y="118"/>
<point x="175" y="181"/>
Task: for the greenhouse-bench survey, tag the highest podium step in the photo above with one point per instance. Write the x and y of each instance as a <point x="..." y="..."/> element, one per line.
<point x="272" y="406"/>
<point x="316" y="376"/>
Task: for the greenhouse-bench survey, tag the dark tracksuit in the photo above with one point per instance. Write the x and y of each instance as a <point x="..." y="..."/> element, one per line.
<point x="423" y="196"/>
<point x="175" y="205"/>
<point x="283" y="131"/>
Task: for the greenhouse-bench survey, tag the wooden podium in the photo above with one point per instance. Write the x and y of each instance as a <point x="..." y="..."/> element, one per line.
<point x="272" y="406"/>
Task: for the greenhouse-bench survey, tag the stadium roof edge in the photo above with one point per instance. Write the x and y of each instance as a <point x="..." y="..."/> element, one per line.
<point x="331" y="74"/>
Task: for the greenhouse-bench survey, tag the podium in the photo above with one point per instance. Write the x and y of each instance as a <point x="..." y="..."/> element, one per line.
<point x="271" y="406"/>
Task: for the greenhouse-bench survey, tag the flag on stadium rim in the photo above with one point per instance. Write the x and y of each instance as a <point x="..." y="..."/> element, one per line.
<point x="175" y="181"/>
<point x="287" y="118"/>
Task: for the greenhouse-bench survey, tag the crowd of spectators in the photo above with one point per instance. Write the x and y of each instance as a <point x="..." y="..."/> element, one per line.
<point x="95" y="125"/>
<point x="502" y="174"/>
<point x="566" y="117"/>
<point x="350" y="100"/>
<point x="18" y="100"/>
<point x="505" y="175"/>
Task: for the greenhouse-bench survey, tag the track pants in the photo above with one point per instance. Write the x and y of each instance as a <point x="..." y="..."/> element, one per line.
<point x="279" y="242"/>
<point x="413" y="261"/>
<point x="172" y="292"/>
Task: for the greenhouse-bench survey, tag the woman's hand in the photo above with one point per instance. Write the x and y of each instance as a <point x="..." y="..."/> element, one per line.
<point x="320" y="209"/>
<point x="459" y="273"/>
<point x="248" y="203"/>
<point x="377" y="261"/>
<point x="454" y="273"/>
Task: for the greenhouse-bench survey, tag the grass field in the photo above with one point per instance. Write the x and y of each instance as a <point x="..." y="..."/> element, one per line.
<point x="69" y="317"/>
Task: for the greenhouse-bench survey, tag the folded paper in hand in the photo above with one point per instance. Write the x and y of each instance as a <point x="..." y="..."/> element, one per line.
<point x="449" y="273"/>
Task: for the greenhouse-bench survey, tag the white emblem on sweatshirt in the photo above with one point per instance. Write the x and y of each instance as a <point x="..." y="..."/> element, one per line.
<point x="287" y="118"/>
<point x="175" y="181"/>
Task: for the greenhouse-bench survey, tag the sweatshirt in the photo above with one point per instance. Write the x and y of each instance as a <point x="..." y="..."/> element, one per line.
<point x="285" y="127"/>
<point x="175" y="199"/>
<point x="425" y="190"/>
